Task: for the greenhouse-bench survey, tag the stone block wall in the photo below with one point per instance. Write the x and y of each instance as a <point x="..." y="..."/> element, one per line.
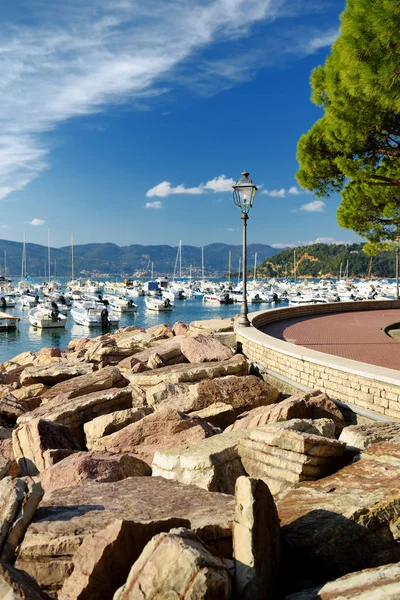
<point x="373" y="388"/>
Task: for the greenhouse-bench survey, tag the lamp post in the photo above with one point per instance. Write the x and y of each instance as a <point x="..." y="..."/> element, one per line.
<point x="244" y="192"/>
<point x="397" y="268"/>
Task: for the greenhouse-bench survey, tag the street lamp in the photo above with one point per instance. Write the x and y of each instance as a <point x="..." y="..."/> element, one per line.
<point x="397" y="267"/>
<point x="244" y="192"/>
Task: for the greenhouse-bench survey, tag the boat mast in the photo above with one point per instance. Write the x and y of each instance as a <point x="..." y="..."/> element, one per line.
<point x="294" y="265"/>
<point x="340" y="272"/>
<point x="72" y="255"/>
<point x="5" y="263"/>
<point x="255" y="267"/>
<point x="180" y="260"/>
<point x="23" y="266"/>
<point x="48" y="253"/>
<point x="347" y="269"/>
<point x="202" y="263"/>
<point x="240" y="262"/>
<point x="229" y="266"/>
<point x="152" y="270"/>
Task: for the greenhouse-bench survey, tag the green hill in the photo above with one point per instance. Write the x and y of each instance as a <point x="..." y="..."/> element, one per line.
<point x="324" y="260"/>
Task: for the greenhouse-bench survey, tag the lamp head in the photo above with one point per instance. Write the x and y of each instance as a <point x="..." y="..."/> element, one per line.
<point x="244" y="192"/>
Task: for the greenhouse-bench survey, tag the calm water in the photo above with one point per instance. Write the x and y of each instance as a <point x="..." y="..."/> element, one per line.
<point x="27" y="337"/>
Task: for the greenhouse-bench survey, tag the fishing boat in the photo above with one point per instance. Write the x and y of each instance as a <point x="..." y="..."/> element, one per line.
<point x="46" y="318"/>
<point x="92" y="314"/>
<point x="8" y="322"/>
<point x="159" y="305"/>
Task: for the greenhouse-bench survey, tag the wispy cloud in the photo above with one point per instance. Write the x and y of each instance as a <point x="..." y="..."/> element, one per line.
<point x="282" y="245"/>
<point x="318" y="240"/>
<point x="218" y="184"/>
<point x="4" y="227"/>
<point x="75" y="58"/>
<point x="293" y="191"/>
<point x="324" y="40"/>
<point x="314" y="206"/>
<point x="35" y="222"/>
<point x="155" y="204"/>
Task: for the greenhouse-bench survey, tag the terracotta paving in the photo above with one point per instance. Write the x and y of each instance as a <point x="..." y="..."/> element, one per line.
<point x="355" y="335"/>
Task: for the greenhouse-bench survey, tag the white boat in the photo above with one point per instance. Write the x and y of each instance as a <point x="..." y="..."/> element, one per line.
<point x="8" y="322"/>
<point x="218" y="298"/>
<point x="121" y="305"/>
<point x="29" y="300"/>
<point x="53" y="305"/>
<point x="158" y="304"/>
<point x="92" y="314"/>
<point x="7" y="301"/>
<point x="45" y="318"/>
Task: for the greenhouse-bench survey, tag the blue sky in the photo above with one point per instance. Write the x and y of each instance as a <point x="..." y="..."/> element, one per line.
<point x="126" y="121"/>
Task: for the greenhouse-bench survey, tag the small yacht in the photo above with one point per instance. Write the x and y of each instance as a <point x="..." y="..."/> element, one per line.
<point x="159" y="304"/>
<point x="122" y="305"/>
<point x="218" y="298"/>
<point x="7" y="302"/>
<point x="92" y="314"/>
<point x="46" y="318"/>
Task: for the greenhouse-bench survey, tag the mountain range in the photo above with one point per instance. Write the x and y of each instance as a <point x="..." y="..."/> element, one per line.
<point x="127" y="261"/>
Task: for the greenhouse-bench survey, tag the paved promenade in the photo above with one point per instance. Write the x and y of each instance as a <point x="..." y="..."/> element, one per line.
<point x="355" y="335"/>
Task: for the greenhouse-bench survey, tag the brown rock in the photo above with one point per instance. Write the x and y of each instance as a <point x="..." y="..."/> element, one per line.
<point x="78" y="344"/>
<point x="103" y="561"/>
<point x="160" y="332"/>
<point x="362" y="436"/>
<point x="46" y="356"/>
<point x="67" y="516"/>
<point x="98" y="466"/>
<point x="191" y="373"/>
<point x="342" y="523"/>
<point x="11" y="409"/>
<point x="75" y="412"/>
<point x="218" y="414"/>
<point x="107" y="424"/>
<point x="322" y="407"/>
<point x="256" y="541"/>
<point x="160" y="430"/>
<point x="54" y="373"/>
<point x="107" y="378"/>
<point x="155" y="361"/>
<point x="282" y="411"/>
<point x="208" y="326"/>
<point x="18" y="585"/>
<point x="132" y="365"/>
<point x="31" y="395"/>
<point x="31" y="440"/>
<point x="18" y="363"/>
<point x="177" y="565"/>
<point x="169" y="350"/>
<point x="204" y="348"/>
<point x="6" y="448"/>
<point x="180" y="328"/>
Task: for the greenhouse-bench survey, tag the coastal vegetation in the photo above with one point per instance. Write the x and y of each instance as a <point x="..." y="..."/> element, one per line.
<point x="354" y="148"/>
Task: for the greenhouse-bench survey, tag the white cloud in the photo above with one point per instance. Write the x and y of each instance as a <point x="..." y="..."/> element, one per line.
<point x="155" y="204"/>
<point x="220" y="184"/>
<point x="4" y="227"/>
<point x="35" y="222"/>
<point x="233" y="229"/>
<point x="314" y="206"/>
<point x="295" y="191"/>
<point x="323" y="40"/>
<point x="275" y="193"/>
<point x="164" y="189"/>
<point x="282" y="245"/>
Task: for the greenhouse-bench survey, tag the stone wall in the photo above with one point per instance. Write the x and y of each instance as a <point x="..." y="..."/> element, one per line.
<point x="367" y="386"/>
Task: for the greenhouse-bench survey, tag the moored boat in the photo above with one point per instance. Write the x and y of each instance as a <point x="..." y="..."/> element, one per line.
<point x="46" y="318"/>
<point x="159" y="305"/>
<point x="92" y="314"/>
<point x="8" y="322"/>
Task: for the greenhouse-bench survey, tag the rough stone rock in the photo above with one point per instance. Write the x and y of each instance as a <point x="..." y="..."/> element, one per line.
<point x="180" y="328"/>
<point x="169" y="350"/>
<point x="11" y="409"/>
<point x="98" y="466"/>
<point x="19" y="362"/>
<point x="381" y="582"/>
<point x="126" y="332"/>
<point x="204" y="348"/>
<point x="163" y="429"/>
<point x="282" y="411"/>
<point x="19" y="501"/>
<point x="342" y="523"/>
<point x="212" y="464"/>
<point x="78" y="344"/>
<point x="115" y="421"/>
<point x="31" y="440"/>
<point x="136" y="341"/>
<point x="104" y="379"/>
<point x="218" y="414"/>
<point x="211" y="325"/>
<point x="46" y="356"/>
<point x="177" y="565"/>
<point x="160" y="332"/>
<point x="5" y="433"/>
<point x="132" y="365"/>
<point x="383" y="451"/>
<point x="228" y="338"/>
<point x="54" y="373"/>
<point x="282" y="454"/>
<point x="322" y="407"/>
<point x="362" y="436"/>
<point x="191" y="373"/>
<point x="6" y="448"/>
<point x="107" y="353"/>
<point x="67" y="516"/>
<point x="75" y="412"/>
<point x="5" y="466"/>
<point x="18" y="585"/>
<point x="155" y="361"/>
<point x="103" y="561"/>
<point x="256" y="541"/>
<point x="31" y="395"/>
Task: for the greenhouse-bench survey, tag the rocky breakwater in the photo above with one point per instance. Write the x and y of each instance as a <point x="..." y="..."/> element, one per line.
<point x="151" y="464"/>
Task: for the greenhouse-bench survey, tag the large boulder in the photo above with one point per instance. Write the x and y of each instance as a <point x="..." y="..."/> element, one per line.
<point x="115" y="421"/>
<point x="168" y="349"/>
<point x="67" y="517"/>
<point x="31" y="395"/>
<point x="163" y="429"/>
<point x="208" y="326"/>
<point x="180" y="328"/>
<point x="378" y="583"/>
<point x="18" y="585"/>
<point x="98" y="466"/>
<point x="46" y="356"/>
<point x="282" y="454"/>
<point x="241" y="393"/>
<point x="362" y="436"/>
<point x="256" y="541"/>
<point x="204" y="348"/>
<point x="54" y="373"/>
<point x="191" y="373"/>
<point x="282" y="411"/>
<point x="104" y="379"/>
<point x="218" y="414"/>
<point x="76" y="411"/>
<point x="33" y="441"/>
<point x="342" y="523"/>
<point x="177" y="565"/>
<point x="212" y="464"/>
<point x="160" y="332"/>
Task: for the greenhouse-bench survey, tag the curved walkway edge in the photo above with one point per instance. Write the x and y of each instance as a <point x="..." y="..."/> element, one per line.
<point x="371" y="387"/>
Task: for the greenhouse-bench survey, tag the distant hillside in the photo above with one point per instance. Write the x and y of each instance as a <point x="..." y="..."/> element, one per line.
<point x="110" y="259"/>
<point x="324" y="260"/>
